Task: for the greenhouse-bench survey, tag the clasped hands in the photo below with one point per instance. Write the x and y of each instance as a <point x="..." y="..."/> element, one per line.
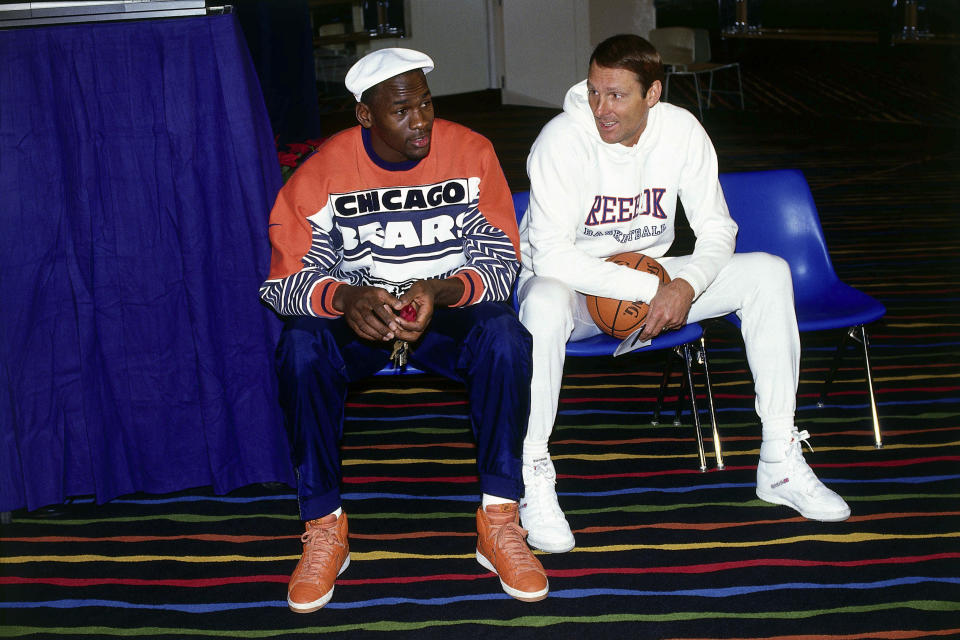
<point x="668" y="308"/>
<point x="374" y="313"/>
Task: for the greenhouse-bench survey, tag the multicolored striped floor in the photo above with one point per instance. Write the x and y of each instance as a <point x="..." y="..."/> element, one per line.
<point x="663" y="551"/>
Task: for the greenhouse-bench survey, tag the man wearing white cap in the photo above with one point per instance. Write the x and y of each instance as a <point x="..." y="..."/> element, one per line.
<point x="397" y="239"/>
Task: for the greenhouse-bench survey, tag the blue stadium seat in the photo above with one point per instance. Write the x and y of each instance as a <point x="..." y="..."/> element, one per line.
<point x="776" y="214"/>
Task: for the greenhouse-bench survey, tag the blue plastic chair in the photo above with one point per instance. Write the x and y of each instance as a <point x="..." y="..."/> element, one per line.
<point x="776" y="214"/>
<point x="687" y="343"/>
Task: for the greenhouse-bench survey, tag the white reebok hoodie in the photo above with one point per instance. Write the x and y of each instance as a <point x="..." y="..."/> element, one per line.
<point x="590" y="200"/>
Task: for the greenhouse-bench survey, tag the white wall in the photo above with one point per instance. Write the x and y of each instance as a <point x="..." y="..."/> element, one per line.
<point x="546" y="49"/>
<point x="547" y="43"/>
<point x="455" y="33"/>
<point x="610" y="17"/>
<point x="541" y="47"/>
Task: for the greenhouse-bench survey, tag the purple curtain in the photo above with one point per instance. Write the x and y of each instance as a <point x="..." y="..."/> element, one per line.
<point x="137" y="171"/>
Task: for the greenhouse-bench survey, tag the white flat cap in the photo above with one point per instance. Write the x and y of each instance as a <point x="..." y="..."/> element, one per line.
<point x="383" y="64"/>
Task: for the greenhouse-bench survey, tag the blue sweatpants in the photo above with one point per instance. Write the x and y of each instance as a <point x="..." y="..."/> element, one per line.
<point x="482" y="345"/>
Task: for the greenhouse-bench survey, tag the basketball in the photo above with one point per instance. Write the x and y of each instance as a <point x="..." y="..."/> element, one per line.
<point x="620" y="318"/>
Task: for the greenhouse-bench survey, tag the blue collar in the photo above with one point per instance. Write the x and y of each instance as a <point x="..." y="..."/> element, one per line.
<point x="406" y="165"/>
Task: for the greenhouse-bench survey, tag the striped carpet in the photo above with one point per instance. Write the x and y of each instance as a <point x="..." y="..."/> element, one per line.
<point x="663" y="551"/>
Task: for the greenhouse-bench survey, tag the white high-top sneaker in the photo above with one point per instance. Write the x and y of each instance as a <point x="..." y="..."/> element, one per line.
<point x="540" y="512"/>
<point x="784" y="477"/>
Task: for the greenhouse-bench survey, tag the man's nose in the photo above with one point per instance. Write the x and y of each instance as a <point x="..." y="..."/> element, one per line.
<point x="417" y="120"/>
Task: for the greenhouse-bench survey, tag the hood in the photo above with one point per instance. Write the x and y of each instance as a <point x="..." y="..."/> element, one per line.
<point x="576" y="105"/>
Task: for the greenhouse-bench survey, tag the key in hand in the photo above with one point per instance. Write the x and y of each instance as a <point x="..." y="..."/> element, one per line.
<point x="399" y="353"/>
<point x="400" y="347"/>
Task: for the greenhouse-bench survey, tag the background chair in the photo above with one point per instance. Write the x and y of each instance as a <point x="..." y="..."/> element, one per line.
<point x="686" y="52"/>
<point x="776" y="213"/>
<point x="686" y="343"/>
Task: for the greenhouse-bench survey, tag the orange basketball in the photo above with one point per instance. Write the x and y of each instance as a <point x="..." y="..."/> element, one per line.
<point x="620" y="318"/>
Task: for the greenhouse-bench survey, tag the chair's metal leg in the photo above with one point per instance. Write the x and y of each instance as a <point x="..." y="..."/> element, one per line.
<point x="858" y="334"/>
<point x="834" y="366"/>
<point x="696" y="86"/>
<point x="710" y="91"/>
<point x="681" y="393"/>
<point x="865" y="341"/>
<point x="740" y="85"/>
<point x="688" y="361"/>
<point x="702" y="358"/>
<point x="664" y="382"/>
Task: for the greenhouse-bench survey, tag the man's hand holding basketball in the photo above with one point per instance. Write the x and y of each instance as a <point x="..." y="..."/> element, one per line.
<point x="668" y="308"/>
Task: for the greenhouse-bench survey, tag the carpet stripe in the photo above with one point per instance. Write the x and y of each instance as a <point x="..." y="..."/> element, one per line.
<point x="881" y="635"/>
<point x="523" y="621"/>
<point x="700" y="526"/>
<point x="723" y="592"/>
<point x="382" y="555"/>
<point x="553" y="573"/>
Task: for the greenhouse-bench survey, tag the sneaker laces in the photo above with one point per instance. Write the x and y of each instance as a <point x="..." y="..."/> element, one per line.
<point x="802" y="437"/>
<point x="541" y="494"/>
<point x="319" y="544"/>
<point x="510" y="541"/>
<point x="808" y="479"/>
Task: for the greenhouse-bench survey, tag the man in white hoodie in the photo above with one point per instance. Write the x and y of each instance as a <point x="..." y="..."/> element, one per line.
<point x="605" y="176"/>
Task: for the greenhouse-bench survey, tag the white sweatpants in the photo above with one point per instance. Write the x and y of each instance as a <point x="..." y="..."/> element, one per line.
<point x="756" y="286"/>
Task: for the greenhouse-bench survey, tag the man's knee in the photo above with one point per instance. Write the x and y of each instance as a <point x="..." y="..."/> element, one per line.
<point x="777" y="273"/>
<point x="506" y="342"/>
<point x="765" y="269"/>
<point x="304" y="346"/>
<point x="546" y="306"/>
<point x="777" y="266"/>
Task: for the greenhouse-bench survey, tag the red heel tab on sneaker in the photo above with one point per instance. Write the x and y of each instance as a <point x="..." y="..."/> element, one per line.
<point x="507" y="507"/>
<point x="326" y="521"/>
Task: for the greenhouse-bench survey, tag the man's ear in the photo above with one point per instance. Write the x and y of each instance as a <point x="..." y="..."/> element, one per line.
<point x="653" y="93"/>
<point x="363" y="115"/>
